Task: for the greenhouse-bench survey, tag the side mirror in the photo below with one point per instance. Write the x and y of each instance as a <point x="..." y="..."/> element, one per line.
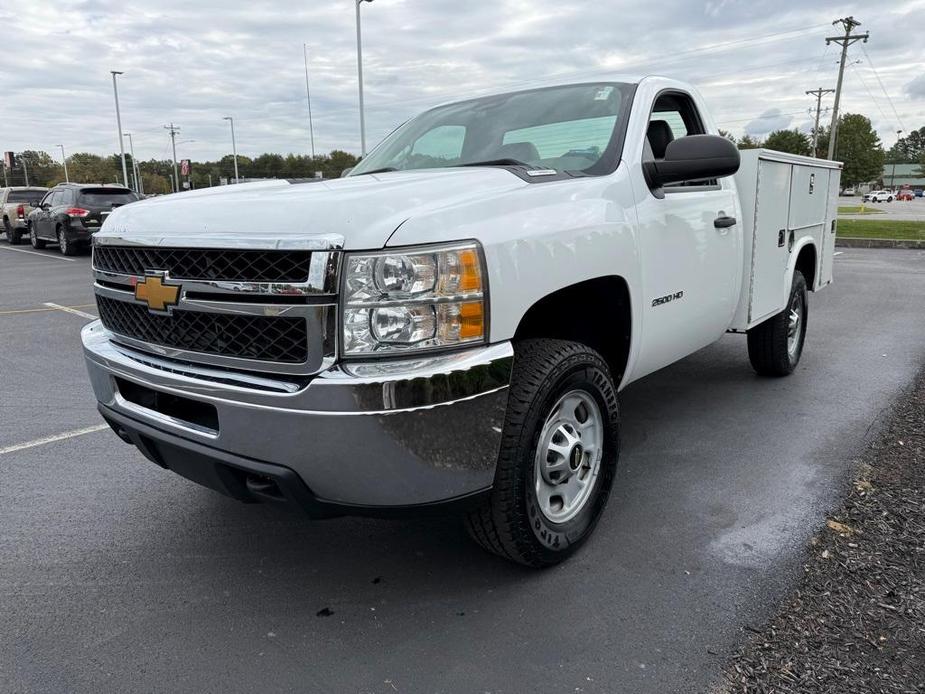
<point x="346" y="171"/>
<point x="693" y="158"/>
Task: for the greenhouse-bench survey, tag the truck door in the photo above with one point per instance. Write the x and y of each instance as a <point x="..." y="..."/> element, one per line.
<point x="691" y="256"/>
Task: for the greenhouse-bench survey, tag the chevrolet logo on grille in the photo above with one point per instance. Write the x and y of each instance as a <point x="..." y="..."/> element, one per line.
<point x="158" y="296"/>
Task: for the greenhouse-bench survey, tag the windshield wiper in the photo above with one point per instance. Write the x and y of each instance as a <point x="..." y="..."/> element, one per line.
<point x="384" y="169"/>
<point x="497" y="162"/>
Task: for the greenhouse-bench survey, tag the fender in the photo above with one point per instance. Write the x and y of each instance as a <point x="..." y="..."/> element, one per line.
<point x="798" y="246"/>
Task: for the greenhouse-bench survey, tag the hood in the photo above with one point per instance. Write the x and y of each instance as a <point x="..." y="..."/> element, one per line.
<point x="364" y="210"/>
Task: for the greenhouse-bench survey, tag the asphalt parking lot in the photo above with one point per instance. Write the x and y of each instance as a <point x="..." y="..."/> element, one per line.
<point x="118" y="575"/>
<point x="903" y="210"/>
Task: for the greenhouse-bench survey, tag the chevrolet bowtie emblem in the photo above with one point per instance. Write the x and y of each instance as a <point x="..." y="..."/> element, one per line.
<point x="157" y="295"/>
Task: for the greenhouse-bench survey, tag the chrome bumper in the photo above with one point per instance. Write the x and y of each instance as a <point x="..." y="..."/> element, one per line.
<point x="373" y="434"/>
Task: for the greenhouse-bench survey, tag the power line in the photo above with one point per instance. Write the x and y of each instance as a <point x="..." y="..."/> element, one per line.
<point x="885" y="92"/>
<point x="857" y="73"/>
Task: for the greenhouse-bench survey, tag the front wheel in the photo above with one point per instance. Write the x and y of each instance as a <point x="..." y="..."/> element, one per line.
<point x="775" y="346"/>
<point x="558" y="457"/>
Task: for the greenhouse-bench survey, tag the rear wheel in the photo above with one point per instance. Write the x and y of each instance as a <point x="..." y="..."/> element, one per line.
<point x="67" y="246"/>
<point x="558" y="455"/>
<point x="37" y="243"/>
<point x="775" y="346"/>
<point x="12" y="235"/>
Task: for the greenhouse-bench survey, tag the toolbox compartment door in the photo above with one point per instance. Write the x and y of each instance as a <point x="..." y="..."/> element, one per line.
<point x="770" y="240"/>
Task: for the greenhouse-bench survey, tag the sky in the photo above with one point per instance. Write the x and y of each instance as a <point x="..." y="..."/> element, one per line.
<point x="191" y="63"/>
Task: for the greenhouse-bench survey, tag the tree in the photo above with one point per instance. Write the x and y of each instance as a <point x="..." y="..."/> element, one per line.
<point x="858" y="147"/>
<point x="792" y="141"/>
<point x="84" y="167"/>
<point x="42" y="169"/>
<point x="908" y="149"/>
<point x="728" y="135"/>
<point x="747" y="142"/>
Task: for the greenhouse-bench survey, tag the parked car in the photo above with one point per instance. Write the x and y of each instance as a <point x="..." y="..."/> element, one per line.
<point x="905" y="195"/>
<point x="451" y="322"/>
<point x="70" y="213"/>
<point x="15" y="205"/>
<point x="919" y="192"/>
<point x="879" y="196"/>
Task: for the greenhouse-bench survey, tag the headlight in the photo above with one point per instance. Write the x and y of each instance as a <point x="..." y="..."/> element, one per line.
<point x="421" y="298"/>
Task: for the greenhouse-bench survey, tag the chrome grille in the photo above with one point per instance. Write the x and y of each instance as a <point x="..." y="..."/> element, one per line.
<point x="206" y="264"/>
<point x="267" y="338"/>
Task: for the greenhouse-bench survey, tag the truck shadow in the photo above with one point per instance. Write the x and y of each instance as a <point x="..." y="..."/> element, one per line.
<point x="354" y="561"/>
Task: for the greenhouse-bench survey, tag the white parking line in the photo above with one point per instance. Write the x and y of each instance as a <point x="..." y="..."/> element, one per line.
<point x="40" y="255"/>
<point x="54" y="437"/>
<point x="68" y="309"/>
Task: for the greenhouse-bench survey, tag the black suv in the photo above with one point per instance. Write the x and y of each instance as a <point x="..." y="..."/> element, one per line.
<point x="71" y="212"/>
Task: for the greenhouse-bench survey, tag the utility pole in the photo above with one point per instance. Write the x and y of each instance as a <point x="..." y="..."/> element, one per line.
<point x="115" y="92"/>
<point x="173" y="130"/>
<point x="848" y="23"/>
<point x="25" y="169"/>
<point x="308" y="95"/>
<point x="64" y="161"/>
<point x="818" y="93"/>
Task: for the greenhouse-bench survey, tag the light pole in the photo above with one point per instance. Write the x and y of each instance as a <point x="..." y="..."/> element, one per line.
<point x="115" y="92"/>
<point x="360" y="80"/>
<point x="64" y="160"/>
<point x="234" y="147"/>
<point x="136" y="170"/>
<point x="308" y="95"/>
<point x="893" y="174"/>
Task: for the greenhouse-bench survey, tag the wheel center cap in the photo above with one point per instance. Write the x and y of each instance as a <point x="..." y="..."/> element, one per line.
<point x="575" y="457"/>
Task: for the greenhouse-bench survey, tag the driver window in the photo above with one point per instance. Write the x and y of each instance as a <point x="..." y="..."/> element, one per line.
<point x="673" y="115"/>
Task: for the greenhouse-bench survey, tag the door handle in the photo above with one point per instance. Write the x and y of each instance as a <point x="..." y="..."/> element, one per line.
<point x="724" y="222"/>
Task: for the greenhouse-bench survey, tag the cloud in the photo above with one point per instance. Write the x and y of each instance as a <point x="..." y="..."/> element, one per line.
<point x="916" y="88"/>
<point x="767" y="122"/>
<point x="192" y="63"/>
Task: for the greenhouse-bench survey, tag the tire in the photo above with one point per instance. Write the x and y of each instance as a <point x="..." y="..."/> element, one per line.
<point x="770" y="349"/>
<point x="13" y="234"/>
<point x="521" y="520"/>
<point x="37" y="243"/>
<point x="67" y="247"/>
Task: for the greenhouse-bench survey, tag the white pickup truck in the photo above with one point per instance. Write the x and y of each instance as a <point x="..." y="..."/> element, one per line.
<point x="449" y="324"/>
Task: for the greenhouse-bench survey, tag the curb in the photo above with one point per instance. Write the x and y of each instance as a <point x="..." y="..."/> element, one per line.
<point x="850" y="242"/>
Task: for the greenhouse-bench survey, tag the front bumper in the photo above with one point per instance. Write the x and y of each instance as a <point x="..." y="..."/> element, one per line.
<point x="366" y="435"/>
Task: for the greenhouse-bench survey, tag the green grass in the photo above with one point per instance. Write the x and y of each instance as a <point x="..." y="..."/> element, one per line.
<point x="858" y="209"/>
<point x="885" y="229"/>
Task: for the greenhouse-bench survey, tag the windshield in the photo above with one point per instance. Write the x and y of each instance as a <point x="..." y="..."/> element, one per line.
<point x="568" y="128"/>
<point x="29" y="196"/>
<point x="103" y="197"/>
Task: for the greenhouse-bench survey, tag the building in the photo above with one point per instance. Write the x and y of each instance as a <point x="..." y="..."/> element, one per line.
<point x="910" y="175"/>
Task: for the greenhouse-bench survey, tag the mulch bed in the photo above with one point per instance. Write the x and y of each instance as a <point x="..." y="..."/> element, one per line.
<point x="856" y="622"/>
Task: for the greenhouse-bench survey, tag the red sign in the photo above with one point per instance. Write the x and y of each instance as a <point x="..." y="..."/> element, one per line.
<point x="184" y="167"/>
